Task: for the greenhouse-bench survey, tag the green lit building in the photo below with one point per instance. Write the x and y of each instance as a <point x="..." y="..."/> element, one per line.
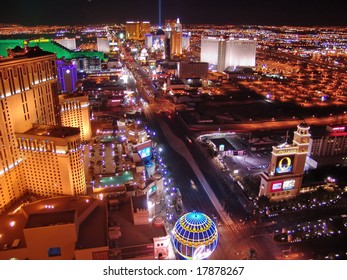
<point x="48" y="45"/>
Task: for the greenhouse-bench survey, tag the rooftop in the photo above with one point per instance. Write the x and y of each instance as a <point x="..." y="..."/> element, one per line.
<point x="223" y="141"/>
<point x="139" y="202"/>
<point x="132" y="235"/>
<point x="324" y="131"/>
<point x="72" y="95"/>
<point x="50" y="219"/>
<point x="92" y="231"/>
<point x="18" y="52"/>
<point x="53" y="131"/>
<point x="51" y="211"/>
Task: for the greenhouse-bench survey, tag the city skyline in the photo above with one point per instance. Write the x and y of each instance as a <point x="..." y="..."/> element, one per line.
<point x="121" y="139"/>
<point x="294" y="13"/>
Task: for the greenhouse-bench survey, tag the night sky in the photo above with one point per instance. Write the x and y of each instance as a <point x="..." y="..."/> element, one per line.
<point x="261" y="12"/>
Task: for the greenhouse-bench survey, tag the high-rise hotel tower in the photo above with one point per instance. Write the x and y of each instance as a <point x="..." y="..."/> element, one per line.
<point x="226" y="52"/>
<point x="173" y="37"/>
<point x="75" y="113"/>
<point x="37" y="155"/>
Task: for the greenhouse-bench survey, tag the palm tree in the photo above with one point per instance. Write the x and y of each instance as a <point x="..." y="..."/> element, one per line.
<point x="99" y="163"/>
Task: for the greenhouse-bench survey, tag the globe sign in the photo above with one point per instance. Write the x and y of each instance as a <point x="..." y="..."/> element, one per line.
<point x="195" y="236"/>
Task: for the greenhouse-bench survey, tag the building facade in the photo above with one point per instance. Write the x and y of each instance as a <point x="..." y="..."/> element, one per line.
<point x="223" y="52"/>
<point x="52" y="160"/>
<point x="240" y="52"/>
<point x="67" y="76"/>
<point x="330" y="142"/>
<point x="28" y="95"/>
<point x="190" y="69"/>
<point x="103" y="45"/>
<point x="136" y="30"/>
<point x="75" y="112"/>
<point x="176" y="39"/>
<point x="213" y="51"/>
<point x="283" y="178"/>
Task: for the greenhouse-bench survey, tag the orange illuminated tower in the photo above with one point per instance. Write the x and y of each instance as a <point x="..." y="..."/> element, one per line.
<point x="75" y="113"/>
<point x="173" y="30"/>
<point x="283" y="178"/>
<point x="176" y="38"/>
<point x="136" y="30"/>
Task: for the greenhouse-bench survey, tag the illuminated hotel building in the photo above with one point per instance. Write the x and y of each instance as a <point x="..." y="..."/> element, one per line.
<point x="224" y="52"/>
<point x="213" y="51"/>
<point x="67" y="76"/>
<point x="330" y="142"/>
<point x="328" y="145"/>
<point x="52" y="160"/>
<point x="75" y="113"/>
<point x="240" y="52"/>
<point x="103" y="45"/>
<point x="136" y="30"/>
<point x="176" y="39"/>
<point x="283" y="178"/>
<point x="28" y="95"/>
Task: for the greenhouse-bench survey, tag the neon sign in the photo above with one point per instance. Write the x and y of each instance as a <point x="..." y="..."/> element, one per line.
<point x="195" y="236"/>
<point x="288" y="185"/>
<point x="284" y="164"/>
<point x="201" y="253"/>
<point x="276" y="186"/>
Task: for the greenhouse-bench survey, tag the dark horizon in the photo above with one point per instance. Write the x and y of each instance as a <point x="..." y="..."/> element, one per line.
<point x="222" y="12"/>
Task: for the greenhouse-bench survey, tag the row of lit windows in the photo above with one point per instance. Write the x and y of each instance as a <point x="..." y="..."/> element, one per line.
<point x="68" y="106"/>
<point x="280" y="193"/>
<point x="22" y="77"/>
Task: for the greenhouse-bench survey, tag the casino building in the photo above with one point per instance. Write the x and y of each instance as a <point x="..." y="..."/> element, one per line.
<point x="37" y="154"/>
<point x="75" y="112"/>
<point x="224" y="52"/>
<point x="194" y="236"/>
<point x="283" y="178"/>
<point x="136" y="30"/>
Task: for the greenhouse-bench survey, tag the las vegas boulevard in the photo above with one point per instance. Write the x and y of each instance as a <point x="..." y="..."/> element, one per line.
<point x="166" y="131"/>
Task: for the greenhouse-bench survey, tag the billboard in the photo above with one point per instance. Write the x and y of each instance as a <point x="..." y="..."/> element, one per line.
<point x="143" y="145"/>
<point x="284" y="164"/>
<point x="152" y="64"/>
<point x="277" y="186"/>
<point x="146" y="152"/>
<point x="288" y="185"/>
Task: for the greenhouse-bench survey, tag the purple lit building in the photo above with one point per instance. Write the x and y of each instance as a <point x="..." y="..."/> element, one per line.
<point x="67" y="76"/>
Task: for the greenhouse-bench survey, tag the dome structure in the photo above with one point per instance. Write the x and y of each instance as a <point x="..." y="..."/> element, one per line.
<point x="160" y="32"/>
<point x="195" y="236"/>
<point x="304" y="125"/>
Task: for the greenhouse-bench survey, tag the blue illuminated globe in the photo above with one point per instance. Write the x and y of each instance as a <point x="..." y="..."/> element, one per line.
<point x="195" y="236"/>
